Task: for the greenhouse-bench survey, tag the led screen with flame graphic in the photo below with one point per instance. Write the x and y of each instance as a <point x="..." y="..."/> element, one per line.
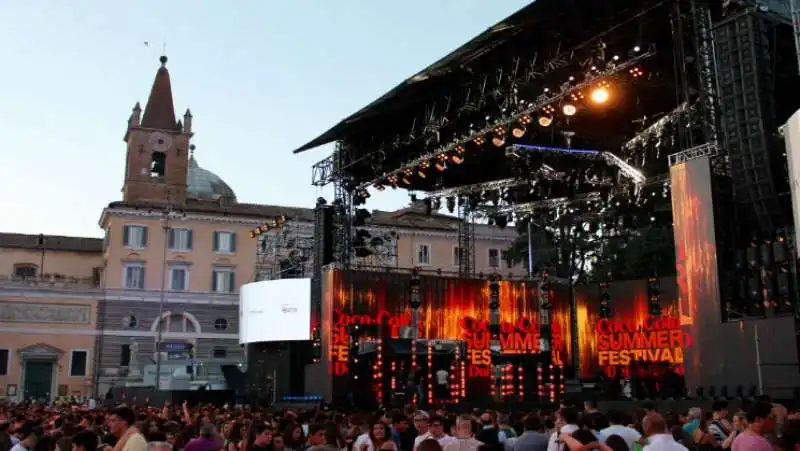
<point x="630" y="333"/>
<point x="453" y="309"/>
<point x="695" y="252"/>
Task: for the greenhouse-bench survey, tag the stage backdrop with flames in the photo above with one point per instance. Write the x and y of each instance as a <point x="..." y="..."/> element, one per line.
<point x="630" y="334"/>
<point x="458" y="309"/>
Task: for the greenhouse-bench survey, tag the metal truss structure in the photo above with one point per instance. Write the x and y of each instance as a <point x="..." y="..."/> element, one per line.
<point x="547" y="98"/>
<point x="477" y="188"/>
<point x="285" y="252"/>
<point x="709" y="150"/>
<point x="466" y="239"/>
<point x="322" y="172"/>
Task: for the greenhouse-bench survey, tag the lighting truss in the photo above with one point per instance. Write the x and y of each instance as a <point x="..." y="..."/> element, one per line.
<point x="478" y="187"/>
<point x="656" y="129"/>
<point x="565" y="91"/>
<point x="610" y="159"/>
<point x="548" y="204"/>
<point x="703" y="150"/>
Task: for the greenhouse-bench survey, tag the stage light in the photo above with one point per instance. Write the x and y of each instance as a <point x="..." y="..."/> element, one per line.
<point x="636" y="72"/>
<point x="498" y="141"/>
<point x="392" y="179"/>
<point x="518" y="131"/>
<point x="456" y="159"/>
<point x="637" y="49"/>
<point x="569" y="110"/>
<point x="525" y="119"/>
<point x="545" y="121"/>
<point x="479" y="140"/>
<point x="423" y="169"/>
<point x="548" y="110"/>
<point x="441" y="162"/>
<point x="600" y="95"/>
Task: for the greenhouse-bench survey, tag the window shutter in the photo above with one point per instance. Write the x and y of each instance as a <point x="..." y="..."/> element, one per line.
<point x="171" y="238"/>
<point x="141" y="279"/>
<point x="213" y="281"/>
<point x="126" y="231"/>
<point x="233" y="242"/>
<point x="189" y="240"/>
<point x="216" y="242"/>
<point x="144" y="236"/>
<point x="232" y="279"/>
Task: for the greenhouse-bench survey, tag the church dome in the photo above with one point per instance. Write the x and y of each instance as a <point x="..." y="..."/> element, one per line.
<point x="204" y="184"/>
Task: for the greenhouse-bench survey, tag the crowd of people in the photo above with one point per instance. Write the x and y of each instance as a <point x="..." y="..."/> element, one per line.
<point x="759" y="425"/>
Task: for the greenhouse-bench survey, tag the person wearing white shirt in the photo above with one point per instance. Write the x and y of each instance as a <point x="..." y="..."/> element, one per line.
<point x="567" y="418"/>
<point x="442" y="384"/>
<point x="436" y="432"/>
<point x="617" y="420"/>
<point x="658" y="438"/>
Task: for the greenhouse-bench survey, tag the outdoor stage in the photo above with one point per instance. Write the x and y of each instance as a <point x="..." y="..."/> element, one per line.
<point x="373" y="308"/>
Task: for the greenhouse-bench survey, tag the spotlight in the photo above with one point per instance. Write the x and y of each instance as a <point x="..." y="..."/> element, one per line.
<point x="407" y="173"/>
<point x="518" y="131"/>
<point x="637" y="48"/>
<point x="600" y="95"/>
<point x="636" y="72"/>
<point x="569" y="110"/>
<point x="441" y="162"/>
<point x="548" y="110"/>
<point x="498" y="141"/>
<point x="479" y="140"/>
<point x="525" y="120"/>
<point x="457" y="159"/>
<point x="422" y="170"/>
<point x="545" y="121"/>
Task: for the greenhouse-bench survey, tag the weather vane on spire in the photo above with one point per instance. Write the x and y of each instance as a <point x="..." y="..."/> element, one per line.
<point x="163" y="50"/>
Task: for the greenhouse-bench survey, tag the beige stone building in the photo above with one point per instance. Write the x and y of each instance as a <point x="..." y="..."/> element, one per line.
<point x="80" y="315"/>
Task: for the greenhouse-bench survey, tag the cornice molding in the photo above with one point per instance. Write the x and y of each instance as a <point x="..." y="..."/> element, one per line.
<point x="303" y="225"/>
<point x="120" y="295"/>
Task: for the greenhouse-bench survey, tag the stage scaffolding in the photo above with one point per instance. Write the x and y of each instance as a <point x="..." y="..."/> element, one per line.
<point x="285" y="252"/>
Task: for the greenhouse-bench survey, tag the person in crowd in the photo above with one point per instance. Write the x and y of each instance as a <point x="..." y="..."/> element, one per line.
<point x="693" y="420"/>
<point x="159" y="446"/>
<point x="490" y="433"/>
<point x="719" y="426"/>
<point x="760" y="422"/>
<point x="566" y="423"/>
<point x="207" y="441"/>
<point x="261" y="438"/>
<point x="533" y="439"/>
<point x="85" y="440"/>
<point x="464" y="435"/>
<point x="121" y="425"/>
<point x="658" y="436"/>
<point x="28" y="438"/>
<point x="617" y="420"/>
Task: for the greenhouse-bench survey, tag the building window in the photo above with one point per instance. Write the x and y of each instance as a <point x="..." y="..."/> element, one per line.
<point x="25" y="271"/>
<point x="178" y="278"/>
<point x="494" y="258"/>
<point x="78" y="363"/>
<point x="224" y="242"/>
<point x="180" y="239"/>
<point x="424" y="254"/>
<point x="222" y="280"/>
<point x="219" y="353"/>
<point x="220" y="324"/>
<point x="129" y="322"/>
<point x="134" y="276"/>
<point x="456" y="256"/>
<point x="125" y="355"/>
<point x="5" y="361"/>
<point x="134" y="236"/>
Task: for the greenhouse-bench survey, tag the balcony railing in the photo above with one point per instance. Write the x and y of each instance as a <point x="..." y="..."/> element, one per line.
<point x="52" y="282"/>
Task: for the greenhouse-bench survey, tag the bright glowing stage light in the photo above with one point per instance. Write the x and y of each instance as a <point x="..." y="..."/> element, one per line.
<point x="600" y="95"/>
<point x="545" y="121"/>
<point x="569" y="110"/>
<point x="518" y="131"/>
<point x="498" y="141"/>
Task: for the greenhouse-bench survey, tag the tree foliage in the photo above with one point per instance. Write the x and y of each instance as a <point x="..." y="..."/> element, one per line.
<point x="641" y="253"/>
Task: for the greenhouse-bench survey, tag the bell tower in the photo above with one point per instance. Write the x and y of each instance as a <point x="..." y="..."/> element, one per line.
<point x="158" y="148"/>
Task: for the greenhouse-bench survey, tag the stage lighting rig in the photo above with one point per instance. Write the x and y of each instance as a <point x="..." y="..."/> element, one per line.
<point x="653" y="296"/>
<point x="539" y="106"/>
<point x="268" y="226"/>
<point x="605" y="301"/>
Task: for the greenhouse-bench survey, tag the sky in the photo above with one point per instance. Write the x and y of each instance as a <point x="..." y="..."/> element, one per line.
<point x="262" y="77"/>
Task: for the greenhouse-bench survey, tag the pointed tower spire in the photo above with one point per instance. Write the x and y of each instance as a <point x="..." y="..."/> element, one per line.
<point x="187" y="121"/>
<point x="160" y="111"/>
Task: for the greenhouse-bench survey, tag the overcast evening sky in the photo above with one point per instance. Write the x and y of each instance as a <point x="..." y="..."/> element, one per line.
<point x="261" y="77"/>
